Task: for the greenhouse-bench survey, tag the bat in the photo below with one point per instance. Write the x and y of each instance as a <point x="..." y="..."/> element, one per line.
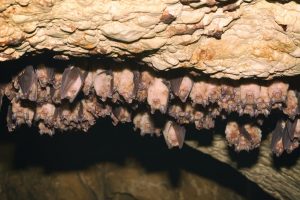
<point x="145" y="123"/>
<point x="28" y="83"/>
<point x="158" y="95"/>
<point x="72" y="82"/>
<point x="121" y="114"/>
<point x="103" y="84"/>
<point x="245" y="133"/>
<point x="286" y="140"/>
<point x="182" y="87"/>
<point x="145" y="79"/>
<point x="124" y="84"/>
<point x="276" y="142"/>
<point x="45" y="75"/>
<point x="1" y="95"/>
<point x="9" y="119"/>
<point x="174" y="134"/>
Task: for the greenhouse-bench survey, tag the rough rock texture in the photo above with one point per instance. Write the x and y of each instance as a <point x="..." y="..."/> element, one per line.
<point x="108" y="181"/>
<point x="231" y="39"/>
<point x="228" y="39"/>
<point x="280" y="180"/>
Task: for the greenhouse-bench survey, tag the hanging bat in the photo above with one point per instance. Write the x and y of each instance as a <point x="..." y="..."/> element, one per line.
<point x="182" y="87"/>
<point x="72" y="81"/>
<point x="174" y="134"/>
<point x="245" y="133"/>
<point x="120" y="114"/>
<point x="144" y="82"/>
<point x="1" y="95"/>
<point x="45" y="75"/>
<point x="158" y="95"/>
<point x="124" y="83"/>
<point x="144" y="121"/>
<point x="28" y="84"/>
<point x="103" y="84"/>
<point x="277" y="142"/>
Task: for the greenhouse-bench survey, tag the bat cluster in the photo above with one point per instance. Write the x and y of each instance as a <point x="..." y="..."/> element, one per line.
<point x="74" y="97"/>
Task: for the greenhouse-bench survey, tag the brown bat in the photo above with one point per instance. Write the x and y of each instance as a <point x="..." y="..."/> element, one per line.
<point x="120" y="114"/>
<point x="245" y="133"/>
<point x="103" y="84"/>
<point x="278" y="91"/>
<point x="174" y="134"/>
<point x="144" y="82"/>
<point x="291" y="137"/>
<point x="243" y="137"/>
<point x="72" y="81"/>
<point x="182" y="87"/>
<point x="136" y="81"/>
<point x="28" y="84"/>
<point x="284" y="137"/>
<point x="10" y="120"/>
<point x="1" y="95"/>
<point x="286" y="141"/>
<point x="124" y="84"/>
<point x="276" y="142"/>
<point x="144" y="121"/>
<point x="45" y="75"/>
<point x="80" y="113"/>
<point x="298" y="97"/>
<point x="158" y="95"/>
<point x="291" y="105"/>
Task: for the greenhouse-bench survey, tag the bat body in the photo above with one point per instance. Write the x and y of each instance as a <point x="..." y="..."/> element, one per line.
<point x="28" y="84"/>
<point x="72" y="81"/>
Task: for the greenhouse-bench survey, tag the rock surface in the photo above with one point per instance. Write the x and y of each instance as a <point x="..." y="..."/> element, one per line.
<point x="111" y="163"/>
<point x="238" y="40"/>
<point x="279" y="177"/>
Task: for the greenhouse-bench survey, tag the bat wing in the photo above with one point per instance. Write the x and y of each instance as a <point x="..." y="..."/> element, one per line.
<point x="276" y="134"/>
<point x="286" y="138"/>
<point x="27" y="79"/>
<point x="69" y="78"/>
<point x="245" y="133"/>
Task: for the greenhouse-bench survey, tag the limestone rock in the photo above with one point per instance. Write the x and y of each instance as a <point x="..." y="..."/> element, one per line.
<point x="236" y="39"/>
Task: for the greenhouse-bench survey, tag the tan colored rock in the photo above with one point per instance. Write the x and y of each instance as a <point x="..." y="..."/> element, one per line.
<point x="241" y="39"/>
